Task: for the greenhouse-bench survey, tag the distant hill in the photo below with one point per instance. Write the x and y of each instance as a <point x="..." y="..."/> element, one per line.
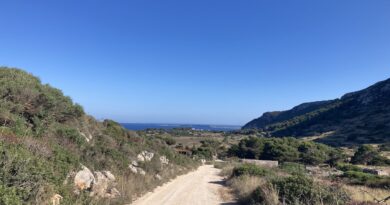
<point x="355" y="118"/>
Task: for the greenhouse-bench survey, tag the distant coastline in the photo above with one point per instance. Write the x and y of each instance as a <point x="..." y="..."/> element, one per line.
<point x="167" y="126"/>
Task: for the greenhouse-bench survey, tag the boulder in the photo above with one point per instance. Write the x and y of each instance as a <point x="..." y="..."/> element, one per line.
<point x="164" y="160"/>
<point x="140" y="158"/>
<point x="87" y="138"/>
<point x="158" y="177"/>
<point x="84" y="179"/>
<point x="56" y="199"/>
<point x="133" y="169"/>
<point x="103" y="185"/>
<point x="145" y="156"/>
<point x="134" y="163"/>
<point x="141" y="172"/>
<point x="100" y="185"/>
<point x="109" y="175"/>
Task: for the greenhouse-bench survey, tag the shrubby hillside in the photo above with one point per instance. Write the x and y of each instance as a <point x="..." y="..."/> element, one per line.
<point x="356" y="118"/>
<point x="51" y="150"/>
<point x="286" y="150"/>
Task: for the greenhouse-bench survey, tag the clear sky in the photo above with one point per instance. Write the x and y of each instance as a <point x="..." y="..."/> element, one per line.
<point x="197" y="61"/>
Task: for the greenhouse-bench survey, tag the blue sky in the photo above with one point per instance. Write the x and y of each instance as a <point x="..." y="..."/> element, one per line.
<point x="198" y="61"/>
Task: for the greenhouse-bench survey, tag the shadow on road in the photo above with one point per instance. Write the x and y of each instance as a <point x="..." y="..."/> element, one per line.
<point x="222" y="183"/>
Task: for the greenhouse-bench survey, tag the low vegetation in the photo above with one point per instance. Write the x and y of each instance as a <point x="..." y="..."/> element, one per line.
<point x="356" y="118"/>
<point x="285" y="150"/>
<point x="45" y="137"/>
<point x="260" y="185"/>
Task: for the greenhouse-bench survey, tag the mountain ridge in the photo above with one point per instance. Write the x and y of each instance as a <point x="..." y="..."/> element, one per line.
<point x="354" y="118"/>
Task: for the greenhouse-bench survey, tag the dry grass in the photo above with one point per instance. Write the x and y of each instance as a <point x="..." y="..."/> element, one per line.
<point x="132" y="186"/>
<point x="226" y="168"/>
<point x="244" y="186"/>
<point x="366" y="194"/>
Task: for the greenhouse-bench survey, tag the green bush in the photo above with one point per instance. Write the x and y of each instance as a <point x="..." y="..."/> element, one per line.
<point x="250" y="169"/>
<point x="368" y="155"/>
<point x="41" y="142"/>
<point x="8" y="196"/>
<point x="366" y="179"/>
<point x="285" y="150"/>
<point x="71" y="134"/>
<point x="293" y="168"/>
<point x="348" y="167"/>
<point x="300" y="189"/>
<point x="169" y="140"/>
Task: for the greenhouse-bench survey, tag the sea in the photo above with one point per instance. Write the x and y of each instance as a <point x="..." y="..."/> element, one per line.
<point x="201" y="127"/>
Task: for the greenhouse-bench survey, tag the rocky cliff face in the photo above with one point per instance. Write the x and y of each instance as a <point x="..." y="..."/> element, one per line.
<point x="358" y="117"/>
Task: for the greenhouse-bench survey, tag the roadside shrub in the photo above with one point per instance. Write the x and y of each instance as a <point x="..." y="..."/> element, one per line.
<point x="251" y="170"/>
<point x="264" y="195"/>
<point x="300" y="189"/>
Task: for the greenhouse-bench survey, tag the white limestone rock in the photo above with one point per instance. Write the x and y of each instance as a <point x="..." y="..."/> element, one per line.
<point x="84" y="179"/>
<point x="164" y="160"/>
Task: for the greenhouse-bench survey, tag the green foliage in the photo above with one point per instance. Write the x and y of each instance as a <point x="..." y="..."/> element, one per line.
<point x="43" y="138"/>
<point x="23" y="171"/>
<point x="356" y="118"/>
<point x="71" y="134"/>
<point x="355" y="175"/>
<point x="207" y="150"/>
<point x="28" y="106"/>
<point x="299" y="189"/>
<point x="285" y="150"/>
<point x="293" y="168"/>
<point x="385" y="147"/>
<point x="169" y="140"/>
<point x="348" y="167"/>
<point x="250" y="169"/>
<point x="366" y="179"/>
<point x="368" y="155"/>
<point x="8" y="196"/>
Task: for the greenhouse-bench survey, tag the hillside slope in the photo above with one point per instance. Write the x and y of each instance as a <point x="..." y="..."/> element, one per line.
<point x="50" y="148"/>
<point x="358" y="117"/>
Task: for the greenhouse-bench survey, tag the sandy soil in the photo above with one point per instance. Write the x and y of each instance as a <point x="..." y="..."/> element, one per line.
<point x="202" y="187"/>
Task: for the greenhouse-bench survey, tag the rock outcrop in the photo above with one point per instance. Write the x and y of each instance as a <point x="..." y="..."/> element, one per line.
<point x="157" y="176"/>
<point x="134" y="167"/>
<point x="84" y="179"/>
<point x="100" y="183"/>
<point x="145" y="156"/>
<point x="164" y="160"/>
<point x="56" y="199"/>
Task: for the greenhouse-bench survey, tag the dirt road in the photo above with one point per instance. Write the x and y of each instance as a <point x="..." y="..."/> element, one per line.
<point x="203" y="187"/>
